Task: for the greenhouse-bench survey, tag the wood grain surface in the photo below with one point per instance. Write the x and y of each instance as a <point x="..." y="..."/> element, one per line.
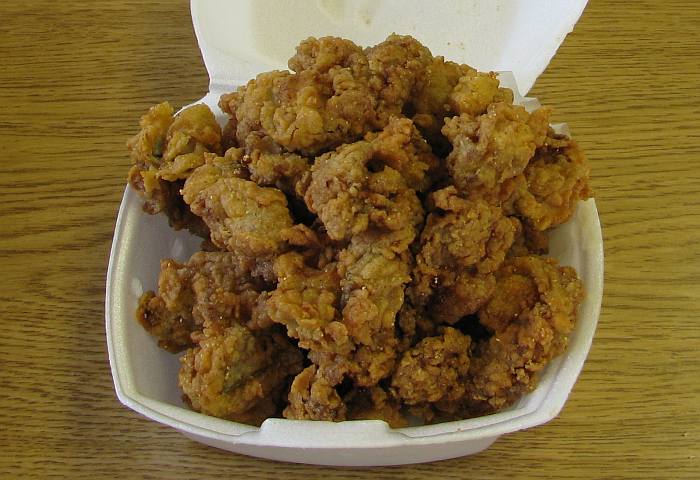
<point x="75" y="77"/>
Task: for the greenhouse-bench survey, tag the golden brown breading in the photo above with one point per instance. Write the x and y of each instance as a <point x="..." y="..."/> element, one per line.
<point x="270" y="166"/>
<point x="462" y="243"/>
<point x="460" y="295"/>
<point x="475" y="91"/>
<point x="171" y="329"/>
<point x="506" y="365"/>
<point x="529" y="241"/>
<point x="434" y="92"/>
<point x="349" y="336"/>
<point x="433" y="371"/>
<point x="242" y="216"/>
<point x="553" y="183"/>
<point x="375" y="270"/>
<point x="491" y="148"/>
<point x="400" y="146"/>
<point x="216" y="288"/>
<point x="319" y="107"/>
<point x="397" y="68"/>
<point x="366" y="183"/>
<point x="430" y="103"/>
<point x="237" y="374"/>
<point x="516" y="294"/>
<point x="325" y="53"/>
<point x="366" y="199"/>
<point x="335" y="95"/>
<point x="312" y="397"/>
<point x="165" y="151"/>
<point x="306" y="302"/>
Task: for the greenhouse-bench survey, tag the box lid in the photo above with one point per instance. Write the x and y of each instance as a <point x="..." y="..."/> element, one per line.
<point x="241" y="38"/>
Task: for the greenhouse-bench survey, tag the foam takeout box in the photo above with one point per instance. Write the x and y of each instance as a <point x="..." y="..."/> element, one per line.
<point x="239" y="39"/>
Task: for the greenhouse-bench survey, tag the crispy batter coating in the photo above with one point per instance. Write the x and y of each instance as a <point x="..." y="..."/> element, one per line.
<point x="461" y="245"/>
<point x="171" y="329"/>
<point x="324" y="103"/>
<point x="491" y="148"/>
<point x="516" y="294"/>
<point x="270" y="166"/>
<point x="216" y="288"/>
<point x="430" y="103"/>
<point x="335" y="95"/>
<point x="242" y="216"/>
<point x="554" y="181"/>
<point x="237" y="374"/>
<point x="366" y="183"/>
<point x="433" y="371"/>
<point x="312" y="397"/>
<point x="400" y="146"/>
<point x="397" y="66"/>
<point x="463" y="295"/>
<point x="529" y="241"/>
<point x="345" y="314"/>
<point x="306" y="301"/>
<point x="375" y="270"/>
<point x="165" y="152"/>
<point x="376" y="213"/>
<point x="475" y="91"/>
<point x="528" y="333"/>
<point x="434" y="93"/>
<point x="324" y="54"/>
<point x="413" y="324"/>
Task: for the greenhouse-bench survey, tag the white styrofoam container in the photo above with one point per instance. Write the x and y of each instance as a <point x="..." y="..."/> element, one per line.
<point x="234" y="36"/>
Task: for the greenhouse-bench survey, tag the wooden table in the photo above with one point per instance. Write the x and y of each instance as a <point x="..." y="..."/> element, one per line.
<point x="75" y="77"/>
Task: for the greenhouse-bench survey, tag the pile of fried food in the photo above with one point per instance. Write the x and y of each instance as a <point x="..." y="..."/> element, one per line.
<point x="373" y="226"/>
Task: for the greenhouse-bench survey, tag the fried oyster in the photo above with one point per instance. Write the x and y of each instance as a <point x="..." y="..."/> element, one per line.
<point x="374" y="224"/>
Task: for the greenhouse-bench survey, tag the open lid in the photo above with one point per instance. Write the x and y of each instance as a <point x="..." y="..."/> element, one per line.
<point x="241" y="38"/>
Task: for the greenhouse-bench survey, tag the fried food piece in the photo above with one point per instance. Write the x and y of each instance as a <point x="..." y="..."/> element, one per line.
<point x="553" y="183"/>
<point x="165" y="151"/>
<point x="237" y="374"/>
<point x="475" y="91"/>
<point x="164" y="137"/>
<point x="430" y="103"/>
<point x="242" y="216"/>
<point x="312" y="397"/>
<point x="216" y="288"/>
<point x="270" y="166"/>
<point x="400" y="146"/>
<point x="374" y="404"/>
<point x="491" y="148"/>
<point x="529" y="241"/>
<point x="344" y="314"/>
<point x="171" y="329"/>
<point x="366" y="183"/>
<point x="516" y="294"/>
<point x="433" y="371"/>
<point x="462" y="295"/>
<point x="462" y="243"/>
<point x="336" y="93"/>
<point x="326" y="53"/>
<point x="325" y="103"/>
<point x="397" y="67"/>
<point x="375" y="270"/>
<point x="531" y="316"/>
<point x="434" y="93"/>
<point x="306" y="301"/>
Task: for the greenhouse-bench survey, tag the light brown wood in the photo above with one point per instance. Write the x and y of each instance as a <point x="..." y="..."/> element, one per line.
<point x="75" y="77"/>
